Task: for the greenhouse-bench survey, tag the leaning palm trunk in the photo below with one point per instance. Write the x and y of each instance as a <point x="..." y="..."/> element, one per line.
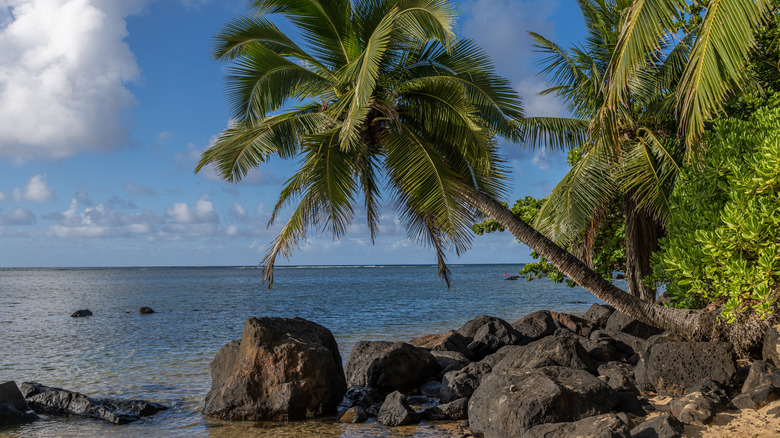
<point x="692" y="324"/>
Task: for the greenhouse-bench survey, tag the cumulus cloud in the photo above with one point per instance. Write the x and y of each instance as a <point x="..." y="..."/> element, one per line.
<point x="201" y="213"/>
<point x="62" y="76"/>
<point x="100" y="221"/>
<point x="17" y="217"/>
<point x="36" y="190"/>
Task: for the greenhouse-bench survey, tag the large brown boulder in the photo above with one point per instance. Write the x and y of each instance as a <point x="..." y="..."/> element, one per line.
<point x="535" y="325"/>
<point x="281" y="369"/>
<point x="510" y="402"/>
<point x="390" y="366"/>
<point x="450" y="341"/>
<point x="564" y="351"/>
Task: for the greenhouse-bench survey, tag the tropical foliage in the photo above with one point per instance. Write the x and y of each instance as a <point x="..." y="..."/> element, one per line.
<point x="724" y="235"/>
<point x="380" y="99"/>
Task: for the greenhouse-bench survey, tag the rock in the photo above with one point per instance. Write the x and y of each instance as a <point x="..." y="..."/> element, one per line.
<point x="693" y="408"/>
<point x="452" y="411"/>
<point x="282" y="369"/>
<point x="535" y="325"/>
<point x="564" y="351"/>
<point x="13" y="407"/>
<point x="619" y="321"/>
<point x="81" y="313"/>
<point x="512" y="277"/>
<point x="629" y="403"/>
<point x="618" y="276"/>
<point x="603" y="349"/>
<point x="599" y="426"/>
<point x="771" y="350"/>
<point x="578" y="325"/>
<point x="662" y="426"/>
<point x="390" y="366"/>
<point x="599" y="314"/>
<point x="674" y="367"/>
<point x="619" y="376"/>
<point x="761" y="373"/>
<point x="395" y="411"/>
<point x="626" y="344"/>
<point x="449" y="361"/>
<point x="487" y="334"/>
<point x="146" y="310"/>
<point x="363" y="396"/>
<point x="509" y="402"/>
<point x="711" y="389"/>
<point x="431" y="389"/>
<point x="450" y="341"/>
<point x="57" y="401"/>
<point x="355" y="414"/>
<point x="462" y="383"/>
<point x="643" y="350"/>
<point x="756" y="398"/>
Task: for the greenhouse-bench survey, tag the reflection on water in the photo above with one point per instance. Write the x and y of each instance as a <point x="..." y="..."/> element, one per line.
<point x="165" y="356"/>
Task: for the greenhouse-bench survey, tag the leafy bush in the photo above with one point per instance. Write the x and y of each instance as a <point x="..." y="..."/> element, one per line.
<point x="723" y="243"/>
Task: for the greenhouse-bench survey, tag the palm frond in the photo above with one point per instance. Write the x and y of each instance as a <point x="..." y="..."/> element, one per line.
<point x="554" y="132"/>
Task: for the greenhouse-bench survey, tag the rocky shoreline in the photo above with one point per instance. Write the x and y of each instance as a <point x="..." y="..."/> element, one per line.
<point x="547" y="374"/>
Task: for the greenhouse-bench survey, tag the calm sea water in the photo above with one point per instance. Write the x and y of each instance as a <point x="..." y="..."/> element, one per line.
<point x="165" y="356"/>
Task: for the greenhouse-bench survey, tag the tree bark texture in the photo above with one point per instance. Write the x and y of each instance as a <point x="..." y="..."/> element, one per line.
<point x="642" y="234"/>
<point x="692" y="324"/>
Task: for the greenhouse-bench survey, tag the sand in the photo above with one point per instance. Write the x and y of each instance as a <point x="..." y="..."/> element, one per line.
<point x="748" y="423"/>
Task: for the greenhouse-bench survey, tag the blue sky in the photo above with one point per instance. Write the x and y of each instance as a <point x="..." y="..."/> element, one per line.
<point x="106" y="105"/>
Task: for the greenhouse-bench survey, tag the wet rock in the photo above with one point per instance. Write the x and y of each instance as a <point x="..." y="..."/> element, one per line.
<point x="395" y="411"/>
<point x="362" y="396"/>
<point x="599" y="314"/>
<point x="81" y="313"/>
<point x="454" y="410"/>
<point x="761" y="373"/>
<point x="599" y="426"/>
<point x="662" y="426"/>
<point x="13" y="407"/>
<point x="355" y="414"/>
<point x="564" y="351"/>
<point x="146" y="310"/>
<point x="57" y="401"/>
<point x="535" y="325"/>
<point x="487" y="335"/>
<point x="282" y="369"/>
<point x="390" y="366"/>
<point x="619" y="321"/>
<point x="449" y="361"/>
<point x="431" y="389"/>
<point x="509" y="402"/>
<point x="756" y="398"/>
<point x="450" y="341"/>
<point x="674" y="367"/>
<point x="578" y="325"/>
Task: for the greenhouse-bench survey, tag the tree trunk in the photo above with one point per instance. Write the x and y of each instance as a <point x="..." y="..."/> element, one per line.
<point x="693" y="324"/>
<point x="642" y="234"/>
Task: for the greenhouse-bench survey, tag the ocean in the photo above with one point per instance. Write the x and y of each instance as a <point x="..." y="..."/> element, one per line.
<point x="164" y="357"/>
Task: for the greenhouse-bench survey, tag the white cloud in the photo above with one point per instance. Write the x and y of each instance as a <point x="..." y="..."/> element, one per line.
<point x="2" y="197"/>
<point x="501" y="27"/>
<point x="36" y="190"/>
<point x="17" y="217"/>
<point x="540" y="160"/>
<point x="100" y="221"/>
<point x="202" y="213"/>
<point x="62" y="76"/>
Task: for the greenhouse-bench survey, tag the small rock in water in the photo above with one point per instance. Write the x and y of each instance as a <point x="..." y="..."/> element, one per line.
<point x="355" y="414"/>
<point x="13" y="407"/>
<point x="81" y="313"/>
<point x="146" y="310"/>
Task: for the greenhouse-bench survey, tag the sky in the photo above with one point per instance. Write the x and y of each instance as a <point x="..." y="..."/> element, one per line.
<point x="106" y="106"/>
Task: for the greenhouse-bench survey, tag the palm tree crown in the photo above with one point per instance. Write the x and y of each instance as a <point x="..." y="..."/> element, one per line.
<point x="380" y="98"/>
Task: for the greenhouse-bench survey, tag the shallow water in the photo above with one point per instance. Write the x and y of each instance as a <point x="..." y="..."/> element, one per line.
<point x="165" y="356"/>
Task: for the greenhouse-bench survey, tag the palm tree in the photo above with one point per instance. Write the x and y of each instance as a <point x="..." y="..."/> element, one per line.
<point x="633" y="172"/>
<point x="723" y="35"/>
<point x="385" y="91"/>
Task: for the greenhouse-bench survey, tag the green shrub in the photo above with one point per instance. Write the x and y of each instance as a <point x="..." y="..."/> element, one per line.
<point x="723" y="243"/>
